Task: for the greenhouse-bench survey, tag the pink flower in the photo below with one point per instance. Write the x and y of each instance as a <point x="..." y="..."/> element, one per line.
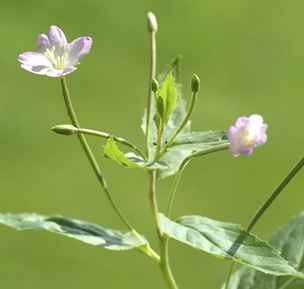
<point x="246" y="134"/>
<point x="55" y="57"/>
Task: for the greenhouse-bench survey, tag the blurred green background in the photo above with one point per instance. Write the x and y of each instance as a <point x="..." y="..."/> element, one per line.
<point x="250" y="58"/>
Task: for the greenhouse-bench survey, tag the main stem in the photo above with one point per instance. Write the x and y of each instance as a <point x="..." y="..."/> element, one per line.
<point x="82" y="139"/>
<point x="269" y="201"/>
<point x="164" y="249"/>
<point x="164" y="262"/>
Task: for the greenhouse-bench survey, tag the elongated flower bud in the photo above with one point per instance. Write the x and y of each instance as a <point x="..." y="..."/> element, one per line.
<point x="65" y="129"/>
<point x="195" y="83"/>
<point x="154" y="85"/>
<point x="152" y="22"/>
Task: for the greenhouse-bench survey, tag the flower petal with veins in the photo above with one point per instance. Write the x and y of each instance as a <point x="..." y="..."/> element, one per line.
<point x="55" y="57"/>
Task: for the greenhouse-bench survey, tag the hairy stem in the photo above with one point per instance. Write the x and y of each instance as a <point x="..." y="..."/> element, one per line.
<point x="269" y="201"/>
<point x="74" y="120"/>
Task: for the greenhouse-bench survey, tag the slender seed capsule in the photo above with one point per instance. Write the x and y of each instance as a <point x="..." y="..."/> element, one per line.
<point x="152" y="22"/>
<point x="195" y="83"/>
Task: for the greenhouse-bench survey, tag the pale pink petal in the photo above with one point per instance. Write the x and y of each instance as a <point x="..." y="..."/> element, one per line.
<point x="247" y="134"/>
<point x="256" y="119"/>
<point x="54" y="73"/>
<point x="57" y="39"/>
<point x="78" y="49"/>
<point x="43" y="43"/>
<point x="68" y="70"/>
<point x="247" y="151"/>
<point x="38" y="69"/>
<point x="242" y="121"/>
<point x="34" y="59"/>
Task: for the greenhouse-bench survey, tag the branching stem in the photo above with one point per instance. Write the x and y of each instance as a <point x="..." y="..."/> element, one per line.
<point x="265" y="206"/>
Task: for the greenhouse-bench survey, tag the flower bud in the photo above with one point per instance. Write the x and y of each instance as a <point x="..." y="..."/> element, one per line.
<point x="65" y="129"/>
<point x="152" y="22"/>
<point x="154" y="85"/>
<point x="195" y="83"/>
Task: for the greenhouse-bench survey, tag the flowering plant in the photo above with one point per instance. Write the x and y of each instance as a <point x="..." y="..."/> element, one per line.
<point x="170" y="146"/>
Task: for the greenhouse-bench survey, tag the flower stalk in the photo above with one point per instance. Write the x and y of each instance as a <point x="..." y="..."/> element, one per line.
<point x="152" y="29"/>
<point x="195" y="87"/>
<point x="70" y="130"/>
<point x="97" y="170"/>
<point x="266" y="205"/>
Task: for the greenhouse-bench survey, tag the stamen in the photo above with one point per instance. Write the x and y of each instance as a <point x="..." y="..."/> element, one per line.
<point x="58" y="62"/>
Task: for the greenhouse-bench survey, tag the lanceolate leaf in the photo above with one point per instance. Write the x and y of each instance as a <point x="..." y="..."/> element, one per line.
<point x="166" y="98"/>
<point x="85" y="232"/>
<point x="197" y="137"/>
<point x="188" y="145"/>
<point x="229" y="241"/>
<point x="112" y="151"/>
<point x="178" y="114"/>
<point x="289" y="239"/>
<point x="129" y="160"/>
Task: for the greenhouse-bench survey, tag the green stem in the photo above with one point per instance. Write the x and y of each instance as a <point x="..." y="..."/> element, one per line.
<point x="88" y="152"/>
<point x="229" y="275"/>
<point x="159" y="141"/>
<point x="261" y="211"/>
<point x="152" y="75"/>
<point x="185" y="121"/>
<point x="277" y="191"/>
<point x="165" y="264"/>
<point x="173" y="191"/>
<point x="287" y="283"/>
<point x="107" y="136"/>
<point x="153" y="201"/>
<point x="181" y="170"/>
<point x="164" y="258"/>
<point x="164" y="254"/>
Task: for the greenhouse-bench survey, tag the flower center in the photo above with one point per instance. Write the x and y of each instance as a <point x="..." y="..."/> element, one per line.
<point x="249" y="139"/>
<point x="58" y="61"/>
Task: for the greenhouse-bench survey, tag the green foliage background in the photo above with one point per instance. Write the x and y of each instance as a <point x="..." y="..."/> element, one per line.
<point x="250" y="58"/>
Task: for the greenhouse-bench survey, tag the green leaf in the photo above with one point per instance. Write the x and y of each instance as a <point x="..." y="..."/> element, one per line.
<point x="289" y="239"/>
<point x="141" y="163"/>
<point x="166" y="98"/>
<point x="129" y="160"/>
<point x="112" y="151"/>
<point x="176" y="117"/>
<point x="229" y="241"/>
<point x="85" y="232"/>
<point x="201" y="137"/>
<point x="189" y="145"/>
